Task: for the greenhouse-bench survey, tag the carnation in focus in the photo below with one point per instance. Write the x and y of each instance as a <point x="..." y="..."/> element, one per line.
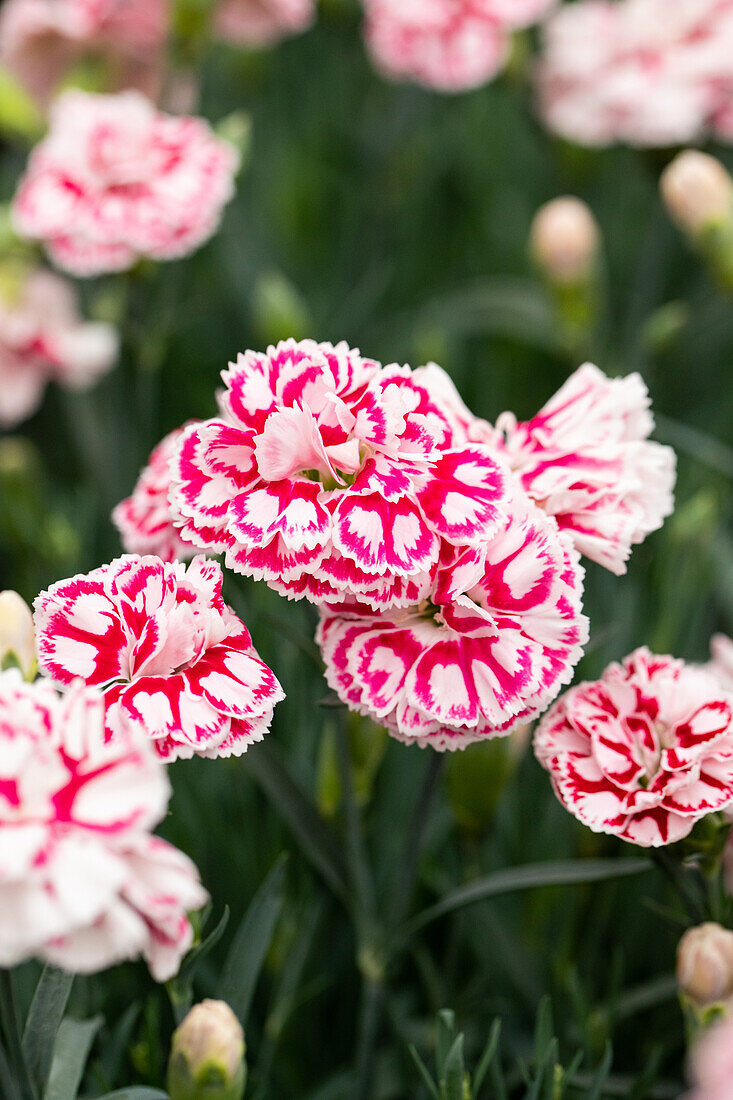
<point x="167" y="651"/>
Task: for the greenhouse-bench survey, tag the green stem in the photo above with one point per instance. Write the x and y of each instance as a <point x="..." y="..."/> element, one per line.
<point x="361" y="884"/>
<point x="369" y="1018"/>
<point x="681" y="883"/>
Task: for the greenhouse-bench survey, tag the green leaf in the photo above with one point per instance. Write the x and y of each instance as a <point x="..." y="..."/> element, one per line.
<point x="180" y="988"/>
<point x="446" y="1037"/>
<point x="515" y="308"/>
<point x="487" y="1057"/>
<point x="73" y="1043"/>
<point x="316" y="839"/>
<point x="424" y="1073"/>
<point x="532" y="875"/>
<point x="454" y="1071"/>
<point x="596" y="1089"/>
<point x="253" y="938"/>
<point x="136" y="1092"/>
<point x="43" y="1022"/>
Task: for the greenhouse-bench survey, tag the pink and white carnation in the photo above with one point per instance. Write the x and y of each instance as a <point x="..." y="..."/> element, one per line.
<point x="116" y="180"/>
<point x="83" y="884"/>
<point x="328" y="475"/>
<point x="261" y="22"/>
<point x="167" y="651"/>
<point x="587" y="460"/>
<point x="447" y="45"/>
<point x="644" y="72"/>
<point x="42" y="40"/>
<point x="144" y="518"/>
<point x="43" y="339"/>
<point x="643" y="753"/>
<point x="487" y="648"/>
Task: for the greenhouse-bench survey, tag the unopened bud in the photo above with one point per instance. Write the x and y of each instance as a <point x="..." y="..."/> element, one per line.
<point x="207" y="1055"/>
<point x="697" y="191"/>
<point x="17" y="636"/>
<point x="565" y="240"/>
<point x="705" y="965"/>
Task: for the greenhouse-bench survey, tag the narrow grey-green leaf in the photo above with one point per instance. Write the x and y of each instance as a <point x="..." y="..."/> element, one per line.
<point x="247" y="953"/>
<point x="530" y="876"/>
<point x="424" y="1073"/>
<point x="71" y="1051"/>
<point x="487" y="1057"/>
<point x="454" y="1071"/>
<point x="42" y="1025"/>
<point x="135" y="1092"/>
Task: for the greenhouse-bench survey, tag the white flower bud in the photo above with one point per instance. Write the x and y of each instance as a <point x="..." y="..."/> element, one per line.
<point x="697" y="191"/>
<point x="705" y="964"/>
<point x="207" y="1055"/>
<point x="17" y="636"/>
<point x="565" y="239"/>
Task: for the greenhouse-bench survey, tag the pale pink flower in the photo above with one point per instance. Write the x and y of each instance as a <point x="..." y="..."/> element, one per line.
<point x="83" y="884"/>
<point x="144" y="519"/>
<point x="645" y="72"/>
<point x="711" y="1063"/>
<point x="116" y="180"/>
<point x="42" y="339"/>
<point x="448" y="45"/>
<point x="721" y="662"/>
<point x="261" y="22"/>
<point x="488" y="647"/>
<point x="42" y="40"/>
<point x="328" y="474"/>
<point x="586" y="459"/>
<point x="643" y="753"/>
<point x="168" y="652"/>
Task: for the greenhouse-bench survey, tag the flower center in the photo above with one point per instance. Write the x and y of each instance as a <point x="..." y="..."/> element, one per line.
<point x="293" y="443"/>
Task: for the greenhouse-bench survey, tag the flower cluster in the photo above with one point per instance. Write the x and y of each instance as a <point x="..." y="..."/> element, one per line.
<point x="261" y="22"/>
<point x="443" y="553"/>
<point x="448" y="45"/>
<point x="42" y="40"/>
<point x="42" y="339"/>
<point x="645" y="752"/>
<point x="116" y="180"/>
<point x="83" y="884"/>
<point x="644" y="72"/>
<point x="169" y="653"/>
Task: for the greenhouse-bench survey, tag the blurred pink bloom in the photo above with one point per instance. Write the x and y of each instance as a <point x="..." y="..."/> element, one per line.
<point x="328" y="474"/>
<point x="488" y="647"/>
<point x="42" y="40"/>
<point x="42" y="339"/>
<point x="261" y="22"/>
<point x="645" y="72"/>
<point x="83" y="884"/>
<point x="721" y="662"/>
<point x="643" y="753"/>
<point x="586" y="459"/>
<point x="711" y="1064"/>
<point x="116" y="180"/>
<point x="448" y="45"/>
<point x="144" y="519"/>
<point x="169" y="653"/>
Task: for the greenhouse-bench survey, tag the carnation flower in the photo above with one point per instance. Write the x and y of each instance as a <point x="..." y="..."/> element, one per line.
<point x="83" y="884"/>
<point x="645" y="72"/>
<point x="42" y="339"/>
<point x="329" y="474"/>
<point x="644" y="752"/>
<point x="116" y="180"/>
<point x="448" y="45"/>
<point x="144" y="519"/>
<point x="261" y="22"/>
<point x="488" y="647"/>
<point x="42" y="40"/>
<point x="167" y="650"/>
<point x="587" y="460"/>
